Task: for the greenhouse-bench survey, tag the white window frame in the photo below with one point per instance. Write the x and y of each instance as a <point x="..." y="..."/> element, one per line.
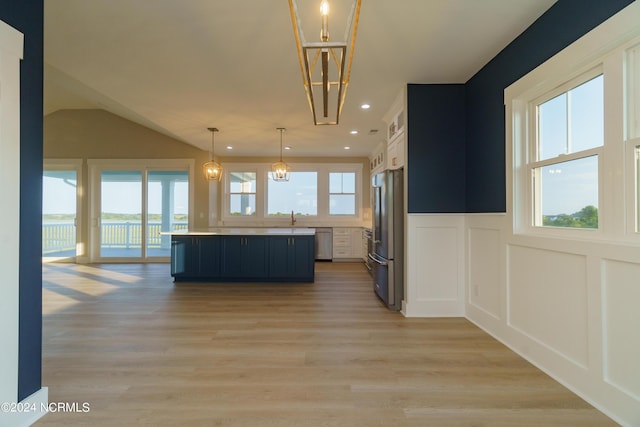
<point x="617" y="181"/>
<point x="533" y="148"/>
<point x="632" y="136"/>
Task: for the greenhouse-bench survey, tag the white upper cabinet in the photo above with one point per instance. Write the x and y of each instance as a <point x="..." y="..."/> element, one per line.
<point x="396" y="139"/>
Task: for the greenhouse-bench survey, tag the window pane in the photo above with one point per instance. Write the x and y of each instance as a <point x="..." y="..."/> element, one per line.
<point x="167" y="208"/>
<point x="552" y="127"/>
<point x="242" y="182"/>
<point x="573" y="121"/>
<point x="342" y="182"/>
<point x="569" y="193"/>
<point x="242" y="204"/>
<point x="121" y="214"/>
<point x="586" y="115"/>
<point x="59" y="213"/>
<point x="342" y="204"/>
<point x="299" y="194"/>
<point x="633" y="91"/>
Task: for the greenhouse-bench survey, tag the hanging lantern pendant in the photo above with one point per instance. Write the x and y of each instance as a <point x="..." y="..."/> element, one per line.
<point x="280" y="170"/>
<point x="212" y="169"/>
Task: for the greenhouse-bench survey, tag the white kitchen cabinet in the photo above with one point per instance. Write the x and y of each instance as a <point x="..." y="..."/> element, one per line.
<point x="395" y="152"/>
<point x="347" y="243"/>
<point x="378" y="159"/>
<point x="396" y="135"/>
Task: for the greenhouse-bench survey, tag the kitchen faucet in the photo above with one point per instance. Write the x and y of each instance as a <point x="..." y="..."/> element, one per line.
<point x="293" y="220"/>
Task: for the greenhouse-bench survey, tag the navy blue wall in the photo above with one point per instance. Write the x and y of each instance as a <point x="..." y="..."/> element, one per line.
<point x="27" y="17"/>
<point x="565" y="22"/>
<point x="436" y="161"/>
<point x="436" y="152"/>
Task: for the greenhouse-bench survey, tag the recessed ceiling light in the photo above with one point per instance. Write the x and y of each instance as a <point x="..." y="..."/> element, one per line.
<point x="365" y="106"/>
<point x="229" y="147"/>
<point x="347" y="148"/>
<point x="287" y="147"/>
<point x="354" y="132"/>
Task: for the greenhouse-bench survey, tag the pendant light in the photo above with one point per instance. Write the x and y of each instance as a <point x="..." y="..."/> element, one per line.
<point x="212" y="169"/>
<point x="280" y="170"/>
<point x="326" y="64"/>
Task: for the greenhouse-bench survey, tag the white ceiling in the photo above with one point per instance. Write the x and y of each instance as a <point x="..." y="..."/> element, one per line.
<point x="180" y="66"/>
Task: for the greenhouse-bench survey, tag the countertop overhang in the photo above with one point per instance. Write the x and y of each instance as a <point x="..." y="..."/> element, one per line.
<point x="242" y="231"/>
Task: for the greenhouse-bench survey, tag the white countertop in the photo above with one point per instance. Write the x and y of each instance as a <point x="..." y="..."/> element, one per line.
<point x="242" y="231"/>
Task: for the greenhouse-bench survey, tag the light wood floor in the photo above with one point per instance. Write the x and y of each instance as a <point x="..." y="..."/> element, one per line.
<point x="145" y="352"/>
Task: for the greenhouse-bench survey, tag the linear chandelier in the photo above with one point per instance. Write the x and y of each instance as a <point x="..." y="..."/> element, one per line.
<point x="212" y="169"/>
<point x="334" y="59"/>
<point x="280" y="170"/>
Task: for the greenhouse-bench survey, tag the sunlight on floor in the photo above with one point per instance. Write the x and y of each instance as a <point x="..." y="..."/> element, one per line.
<point x="54" y="302"/>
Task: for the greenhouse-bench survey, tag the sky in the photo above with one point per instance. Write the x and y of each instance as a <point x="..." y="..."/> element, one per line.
<point x="59" y="196"/>
<point x="569" y="123"/>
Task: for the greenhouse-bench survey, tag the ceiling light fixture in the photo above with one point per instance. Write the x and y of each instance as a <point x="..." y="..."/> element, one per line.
<point x="365" y="106"/>
<point x="280" y="170"/>
<point x="335" y="62"/>
<point x="212" y="169"/>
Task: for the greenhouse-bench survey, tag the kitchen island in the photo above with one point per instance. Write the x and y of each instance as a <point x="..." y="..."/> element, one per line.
<point x="243" y="255"/>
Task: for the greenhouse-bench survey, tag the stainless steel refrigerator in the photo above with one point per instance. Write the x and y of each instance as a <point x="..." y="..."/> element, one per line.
<point x="387" y="253"/>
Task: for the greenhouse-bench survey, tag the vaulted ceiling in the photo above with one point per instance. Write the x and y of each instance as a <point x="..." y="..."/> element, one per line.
<point x="181" y="66"/>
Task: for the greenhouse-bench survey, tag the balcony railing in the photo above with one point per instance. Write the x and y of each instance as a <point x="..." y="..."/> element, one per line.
<point x="61" y="236"/>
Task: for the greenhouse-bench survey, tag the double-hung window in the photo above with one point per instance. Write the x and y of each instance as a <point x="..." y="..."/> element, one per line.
<point x="566" y="151"/>
<point x="242" y="193"/>
<point x="342" y="193"/>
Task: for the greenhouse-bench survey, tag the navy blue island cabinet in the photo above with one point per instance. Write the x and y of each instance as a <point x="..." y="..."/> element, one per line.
<point x="291" y="257"/>
<point x="244" y="255"/>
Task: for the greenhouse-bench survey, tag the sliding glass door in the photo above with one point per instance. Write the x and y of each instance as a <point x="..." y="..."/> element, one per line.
<point x="132" y="206"/>
<point x="121" y="214"/>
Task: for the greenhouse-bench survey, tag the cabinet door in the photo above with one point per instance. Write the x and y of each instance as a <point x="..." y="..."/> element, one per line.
<point x="304" y="257"/>
<point x="232" y="256"/>
<point x="182" y="250"/>
<point x="208" y="256"/>
<point x="292" y="258"/>
<point x="244" y="257"/>
<point x="254" y="261"/>
<point x="279" y="256"/>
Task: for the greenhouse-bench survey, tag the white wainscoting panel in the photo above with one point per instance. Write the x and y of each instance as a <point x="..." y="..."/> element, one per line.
<point x="547" y="299"/>
<point x="621" y="308"/>
<point x="434" y="283"/>
<point x="484" y="267"/>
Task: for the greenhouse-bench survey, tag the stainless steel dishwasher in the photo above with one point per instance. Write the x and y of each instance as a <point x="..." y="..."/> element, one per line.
<point x="324" y="244"/>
